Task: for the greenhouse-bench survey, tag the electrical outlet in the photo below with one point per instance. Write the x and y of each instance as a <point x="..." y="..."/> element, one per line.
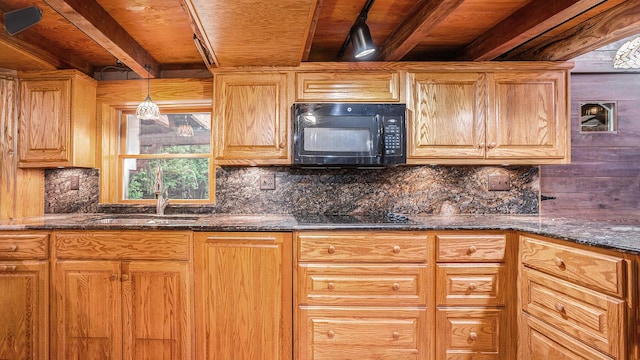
<point x="499" y="182"/>
<point x="268" y="182"/>
<point x="74" y="182"/>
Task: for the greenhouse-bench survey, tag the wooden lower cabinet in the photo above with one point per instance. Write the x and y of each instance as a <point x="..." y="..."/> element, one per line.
<point x="542" y="342"/>
<point x="343" y="333"/>
<point x="105" y="307"/>
<point x="475" y="312"/>
<point x="574" y="302"/>
<point x="362" y="295"/>
<point x="243" y="284"/>
<point x="24" y="314"/>
<point x="24" y="295"/>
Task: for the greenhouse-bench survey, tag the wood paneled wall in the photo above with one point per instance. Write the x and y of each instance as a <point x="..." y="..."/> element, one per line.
<point x="603" y="179"/>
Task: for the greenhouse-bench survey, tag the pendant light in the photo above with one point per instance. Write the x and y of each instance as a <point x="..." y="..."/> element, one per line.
<point x="184" y="129"/>
<point x="148" y="110"/>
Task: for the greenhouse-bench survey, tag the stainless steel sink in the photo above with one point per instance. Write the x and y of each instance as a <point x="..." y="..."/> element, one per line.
<point x="141" y="219"/>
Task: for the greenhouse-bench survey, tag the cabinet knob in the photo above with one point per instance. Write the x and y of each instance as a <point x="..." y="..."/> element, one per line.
<point x="282" y="144"/>
<point x="473" y="286"/>
<point x="331" y="334"/>
<point x="472" y="249"/>
<point x="396" y="335"/>
<point x="473" y="336"/>
<point x="481" y="145"/>
<point x="8" y="268"/>
<point x="559" y="262"/>
<point x="396" y="249"/>
<point x="114" y="277"/>
<point x="331" y="286"/>
<point x="560" y="308"/>
<point x="492" y="145"/>
<point x="125" y="277"/>
<point x="396" y="286"/>
<point x="9" y="248"/>
<point x="331" y="249"/>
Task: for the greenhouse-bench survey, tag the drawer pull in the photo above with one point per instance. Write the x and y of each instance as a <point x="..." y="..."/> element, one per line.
<point x="331" y="334"/>
<point x="473" y="336"/>
<point x="396" y="336"/>
<point x="9" y="268"/>
<point x="114" y="277"/>
<point x="9" y="248"/>
<point x="396" y="249"/>
<point x="331" y="249"/>
<point x="125" y="277"/>
<point x="472" y="250"/>
<point x="473" y="286"/>
<point x="560" y="263"/>
<point x="331" y="286"/>
<point x="560" y="308"/>
<point x="396" y="286"/>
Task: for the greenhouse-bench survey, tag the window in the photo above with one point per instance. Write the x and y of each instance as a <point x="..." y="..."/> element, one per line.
<point x="180" y="143"/>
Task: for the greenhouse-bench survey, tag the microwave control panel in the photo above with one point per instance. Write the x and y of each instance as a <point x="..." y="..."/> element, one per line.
<point x="393" y="136"/>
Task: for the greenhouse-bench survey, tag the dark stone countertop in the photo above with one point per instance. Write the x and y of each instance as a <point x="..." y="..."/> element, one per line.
<point x="621" y="235"/>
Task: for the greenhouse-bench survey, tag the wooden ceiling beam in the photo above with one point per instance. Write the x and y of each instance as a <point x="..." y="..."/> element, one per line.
<point x="90" y="18"/>
<point x="311" y="31"/>
<point x="525" y="24"/>
<point x="612" y="25"/>
<point x="424" y="16"/>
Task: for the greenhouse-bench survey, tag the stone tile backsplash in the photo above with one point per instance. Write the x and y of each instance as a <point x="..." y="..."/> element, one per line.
<point x="439" y="190"/>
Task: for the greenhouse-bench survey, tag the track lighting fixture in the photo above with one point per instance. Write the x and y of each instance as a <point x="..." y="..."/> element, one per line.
<point x="360" y="36"/>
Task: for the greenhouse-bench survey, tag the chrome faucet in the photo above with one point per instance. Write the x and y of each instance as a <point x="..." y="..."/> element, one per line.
<point x="162" y="195"/>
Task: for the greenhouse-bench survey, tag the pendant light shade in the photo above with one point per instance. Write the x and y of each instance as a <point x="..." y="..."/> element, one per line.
<point x="361" y="39"/>
<point x="148" y="110"/>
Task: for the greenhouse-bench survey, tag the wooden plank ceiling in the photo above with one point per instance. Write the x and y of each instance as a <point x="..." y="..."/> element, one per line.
<point x="90" y="35"/>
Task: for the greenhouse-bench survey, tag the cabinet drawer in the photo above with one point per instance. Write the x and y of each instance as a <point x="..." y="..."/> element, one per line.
<point x="594" y="318"/>
<point x="362" y="246"/>
<point x="471" y="248"/>
<point x="467" y="333"/>
<point x="134" y="245"/>
<point x="24" y="245"/>
<point x="351" y="86"/>
<point x="363" y="333"/>
<point x="373" y="284"/>
<point x="470" y="284"/>
<point x="542" y="342"/>
<point x="597" y="271"/>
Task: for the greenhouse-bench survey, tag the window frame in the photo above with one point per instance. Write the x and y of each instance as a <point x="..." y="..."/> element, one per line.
<point x="121" y="155"/>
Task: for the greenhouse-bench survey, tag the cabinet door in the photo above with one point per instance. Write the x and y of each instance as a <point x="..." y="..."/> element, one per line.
<point x="24" y="310"/>
<point x="87" y="310"/>
<point x="252" y="116"/>
<point x="528" y="116"/>
<point x="44" y="120"/>
<point x="244" y="297"/>
<point x="447" y="116"/>
<point x="157" y="310"/>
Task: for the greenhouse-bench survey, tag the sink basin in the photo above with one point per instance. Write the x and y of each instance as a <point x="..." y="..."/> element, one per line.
<point x="133" y="219"/>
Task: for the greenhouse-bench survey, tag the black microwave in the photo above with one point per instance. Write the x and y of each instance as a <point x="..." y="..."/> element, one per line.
<point x="349" y="134"/>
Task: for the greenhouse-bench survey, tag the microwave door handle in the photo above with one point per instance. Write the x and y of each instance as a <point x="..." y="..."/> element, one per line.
<point x="381" y="143"/>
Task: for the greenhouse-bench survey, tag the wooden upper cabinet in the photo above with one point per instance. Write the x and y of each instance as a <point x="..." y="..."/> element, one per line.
<point x="57" y="125"/>
<point x="447" y="116"/>
<point x="528" y="116"/>
<point x="489" y="116"/>
<point x="252" y="116"/>
<point x="378" y="86"/>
